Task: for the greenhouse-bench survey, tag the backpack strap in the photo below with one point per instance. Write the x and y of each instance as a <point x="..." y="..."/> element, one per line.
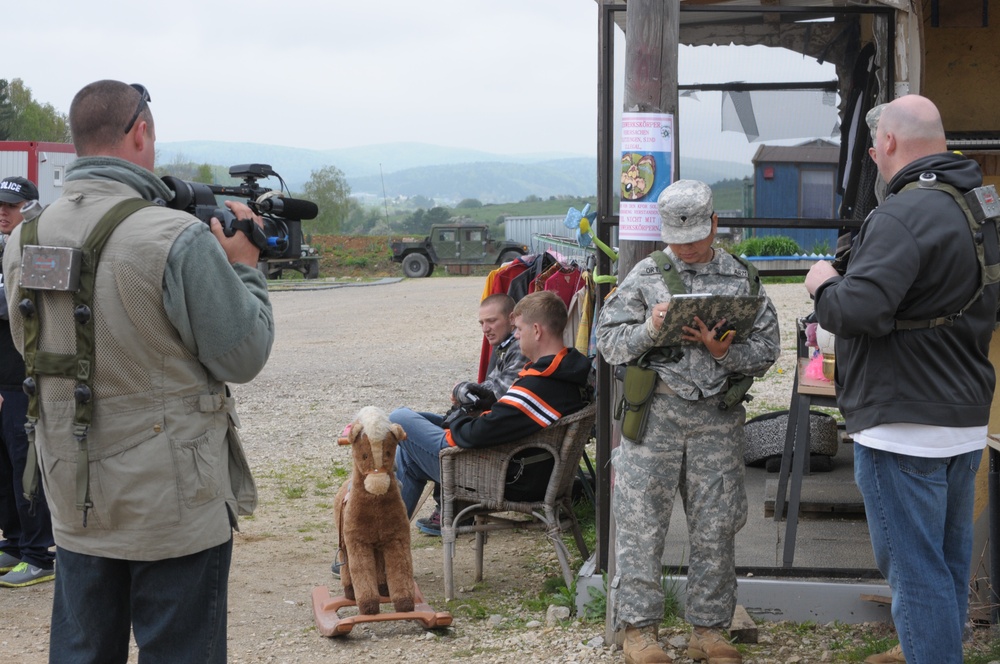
<point x="671" y="277"/>
<point x="77" y="366"/>
<point x="752" y="275"/>
<point x="988" y="273"/>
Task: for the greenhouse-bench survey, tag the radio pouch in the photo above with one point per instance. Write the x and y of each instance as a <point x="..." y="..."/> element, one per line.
<point x="638" y="385"/>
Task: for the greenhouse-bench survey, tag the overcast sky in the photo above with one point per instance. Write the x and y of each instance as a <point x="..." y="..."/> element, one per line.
<point x="493" y="75"/>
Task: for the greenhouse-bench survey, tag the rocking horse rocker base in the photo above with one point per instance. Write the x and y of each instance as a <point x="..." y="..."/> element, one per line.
<point x="329" y="623"/>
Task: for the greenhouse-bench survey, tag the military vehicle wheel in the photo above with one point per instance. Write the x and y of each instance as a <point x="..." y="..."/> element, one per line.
<point x="508" y="256"/>
<point x="312" y="271"/>
<point x="416" y="266"/>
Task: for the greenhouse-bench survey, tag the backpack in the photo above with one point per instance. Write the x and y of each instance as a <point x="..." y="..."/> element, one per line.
<point x="985" y="200"/>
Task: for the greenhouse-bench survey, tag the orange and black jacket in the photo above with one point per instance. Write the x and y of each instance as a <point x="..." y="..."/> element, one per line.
<point x="551" y="388"/>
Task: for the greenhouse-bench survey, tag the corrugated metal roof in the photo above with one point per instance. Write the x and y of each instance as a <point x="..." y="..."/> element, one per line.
<point x="812" y="152"/>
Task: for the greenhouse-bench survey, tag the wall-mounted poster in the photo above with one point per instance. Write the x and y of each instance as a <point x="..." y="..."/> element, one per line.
<point x="647" y="169"/>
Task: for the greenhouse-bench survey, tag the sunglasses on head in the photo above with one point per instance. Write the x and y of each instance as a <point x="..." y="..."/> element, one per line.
<point x="144" y="99"/>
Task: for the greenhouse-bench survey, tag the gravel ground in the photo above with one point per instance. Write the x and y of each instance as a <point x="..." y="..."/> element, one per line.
<point x="400" y="343"/>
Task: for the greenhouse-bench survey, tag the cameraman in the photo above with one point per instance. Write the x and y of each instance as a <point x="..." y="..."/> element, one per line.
<point x="177" y="310"/>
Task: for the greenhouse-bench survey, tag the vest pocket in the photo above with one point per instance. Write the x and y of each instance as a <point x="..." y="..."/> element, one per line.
<point x="132" y="489"/>
<point x="197" y="464"/>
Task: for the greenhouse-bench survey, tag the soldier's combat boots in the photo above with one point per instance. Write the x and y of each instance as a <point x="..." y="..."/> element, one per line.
<point x="642" y="647"/>
<point x="711" y="646"/>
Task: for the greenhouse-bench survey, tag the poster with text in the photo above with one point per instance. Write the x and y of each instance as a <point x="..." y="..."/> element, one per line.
<point x="647" y="169"/>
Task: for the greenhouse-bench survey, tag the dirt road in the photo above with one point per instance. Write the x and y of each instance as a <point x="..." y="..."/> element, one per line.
<point x="339" y="349"/>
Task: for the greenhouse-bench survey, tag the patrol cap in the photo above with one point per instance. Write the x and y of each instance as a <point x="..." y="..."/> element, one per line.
<point x="872" y="116"/>
<point x="16" y="189"/>
<point x="686" y="210"/>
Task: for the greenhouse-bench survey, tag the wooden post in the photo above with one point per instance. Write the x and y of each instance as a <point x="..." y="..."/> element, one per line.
<point x="652" y="30"/>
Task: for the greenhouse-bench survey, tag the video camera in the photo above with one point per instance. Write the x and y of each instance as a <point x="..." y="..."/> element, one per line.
<point x="281" y="236"/>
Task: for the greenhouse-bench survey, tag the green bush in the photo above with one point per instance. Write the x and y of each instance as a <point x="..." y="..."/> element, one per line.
<point x="822" y="248"/>
<point x="771" y="245"/>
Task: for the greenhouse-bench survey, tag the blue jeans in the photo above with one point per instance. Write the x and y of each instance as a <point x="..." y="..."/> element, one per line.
<point x="920" y="518"/>
<point x="417" y="456"/>
<point x="176" y="607"/>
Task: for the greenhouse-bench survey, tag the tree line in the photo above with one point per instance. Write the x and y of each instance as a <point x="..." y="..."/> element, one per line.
<point x="24" y="119"/>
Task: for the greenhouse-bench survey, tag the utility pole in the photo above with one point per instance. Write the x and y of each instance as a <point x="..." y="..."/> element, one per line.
<point x="652" y="32"/>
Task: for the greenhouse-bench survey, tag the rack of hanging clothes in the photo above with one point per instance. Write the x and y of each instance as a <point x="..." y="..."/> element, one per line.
<point x="552" y="272"/>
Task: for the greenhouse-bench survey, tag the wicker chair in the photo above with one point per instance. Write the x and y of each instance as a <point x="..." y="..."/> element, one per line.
<point x="473" y="482"/>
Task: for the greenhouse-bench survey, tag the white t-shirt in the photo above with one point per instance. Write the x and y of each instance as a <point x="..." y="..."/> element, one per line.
<point x="923" y="440"/>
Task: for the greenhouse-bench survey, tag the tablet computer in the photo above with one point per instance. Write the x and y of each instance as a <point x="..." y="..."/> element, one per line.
<point x="740" y="311"/>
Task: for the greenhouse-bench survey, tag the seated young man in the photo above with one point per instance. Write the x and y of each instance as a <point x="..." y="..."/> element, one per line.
<point x="553" y="384"/>
<point x="506" y="359"/>
<point x="506" y="362"/>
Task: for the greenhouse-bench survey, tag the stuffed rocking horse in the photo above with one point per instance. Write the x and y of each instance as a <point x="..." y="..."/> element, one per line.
<point x="374" y="535"/>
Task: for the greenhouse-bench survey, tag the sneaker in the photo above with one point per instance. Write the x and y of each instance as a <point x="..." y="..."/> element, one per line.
<point x="8" y="562"/>
<point x="335" y="566"/>
<point x="893" y="655"/>
<point x="642" y="646"/>
<point x="24" y="574"/>
<point x="431" y="525"/>
<point x="712" y="646"/>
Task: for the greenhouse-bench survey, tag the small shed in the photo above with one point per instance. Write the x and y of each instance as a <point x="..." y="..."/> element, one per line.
<point x="798" y="181"/>
<point x="41" y="162"/>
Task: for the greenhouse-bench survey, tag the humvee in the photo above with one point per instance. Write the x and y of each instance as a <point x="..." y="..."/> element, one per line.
<point x="453" y="244"/>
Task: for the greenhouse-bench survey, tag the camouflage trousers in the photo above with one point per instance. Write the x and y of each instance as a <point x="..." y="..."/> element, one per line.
<point x="693" y="449"/>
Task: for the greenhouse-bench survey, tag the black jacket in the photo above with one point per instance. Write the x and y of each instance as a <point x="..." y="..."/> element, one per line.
<point x="552" y="387"/>
<point x="11" y="362"/>
<point x="914" y="259"/>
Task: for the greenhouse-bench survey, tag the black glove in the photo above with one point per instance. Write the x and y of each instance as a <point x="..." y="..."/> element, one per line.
<point x="471" y="399"/>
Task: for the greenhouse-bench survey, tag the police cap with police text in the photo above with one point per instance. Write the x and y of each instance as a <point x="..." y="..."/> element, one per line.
<point x="17" y="190"/>
<point x="686" y="211"/>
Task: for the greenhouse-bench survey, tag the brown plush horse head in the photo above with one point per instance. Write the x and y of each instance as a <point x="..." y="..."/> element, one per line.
<point x="373" y="440"/>
<point x="371" y="517"/>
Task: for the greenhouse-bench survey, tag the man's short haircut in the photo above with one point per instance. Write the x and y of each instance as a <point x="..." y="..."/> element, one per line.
<point x="545" y="308"/>
<point x="99" y="113"/>
<point x="504" y="301"/>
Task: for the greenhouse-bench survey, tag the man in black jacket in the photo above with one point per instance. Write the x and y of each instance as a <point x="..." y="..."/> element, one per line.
<point x="914" y="380"/>
<point x="26" y="557"/>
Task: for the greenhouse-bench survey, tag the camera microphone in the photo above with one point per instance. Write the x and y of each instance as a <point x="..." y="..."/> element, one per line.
<point x="289" y="208"/>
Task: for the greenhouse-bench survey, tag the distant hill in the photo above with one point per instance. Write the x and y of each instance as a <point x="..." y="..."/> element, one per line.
<point x="443" y="173"/>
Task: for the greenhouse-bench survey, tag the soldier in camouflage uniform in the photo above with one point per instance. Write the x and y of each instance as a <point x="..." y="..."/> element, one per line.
<point x="690" y="445"/>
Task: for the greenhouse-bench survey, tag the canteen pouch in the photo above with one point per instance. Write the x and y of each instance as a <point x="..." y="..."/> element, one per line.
<point x="638" y="384"/>
<point x="737" y="387"/>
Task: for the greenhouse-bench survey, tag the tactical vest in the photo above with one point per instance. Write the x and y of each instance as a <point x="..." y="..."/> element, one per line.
<point x="988" y="273"/>
<point x="673" y="280"/>
<point x="75" y="366"/>
<point x="639" y="381"/>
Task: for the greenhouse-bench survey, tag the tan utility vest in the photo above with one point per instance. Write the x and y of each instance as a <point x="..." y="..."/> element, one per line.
<point x="159" y="466"/>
